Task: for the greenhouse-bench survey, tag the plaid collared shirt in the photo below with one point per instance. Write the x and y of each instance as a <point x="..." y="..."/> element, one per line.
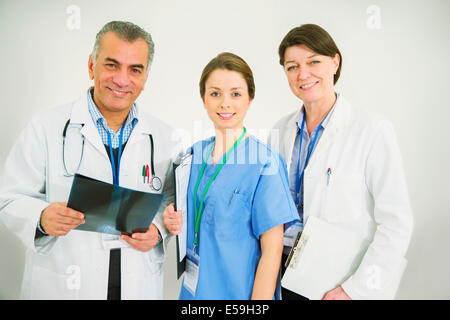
<point x="103" y="128"/>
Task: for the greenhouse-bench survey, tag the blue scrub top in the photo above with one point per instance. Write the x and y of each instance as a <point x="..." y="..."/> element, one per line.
<point x="249" y="196"/>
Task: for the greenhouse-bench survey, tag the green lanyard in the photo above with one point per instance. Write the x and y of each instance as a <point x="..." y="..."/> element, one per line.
<point x="198" y="213"/>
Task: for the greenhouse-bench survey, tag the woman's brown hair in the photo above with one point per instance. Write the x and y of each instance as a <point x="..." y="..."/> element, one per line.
<point x="316" y="39"/>
<point x="232" y="62"/>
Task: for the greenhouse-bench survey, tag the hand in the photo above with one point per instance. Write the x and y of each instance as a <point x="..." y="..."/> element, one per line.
<point x="336" y="294"/>
<point x="143" y="241"/>
<point x="173" y="220"/>
<point x="57" y="219"/>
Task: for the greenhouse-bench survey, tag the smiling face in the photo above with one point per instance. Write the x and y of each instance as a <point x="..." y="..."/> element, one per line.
<point x="119" y="73"/>
<point x="310" y="75"/>
<point x="226" y="99"/>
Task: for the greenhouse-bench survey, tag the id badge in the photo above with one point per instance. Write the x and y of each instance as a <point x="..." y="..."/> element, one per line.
<point x="110" y="241"/>
<point x="191" y="272"/>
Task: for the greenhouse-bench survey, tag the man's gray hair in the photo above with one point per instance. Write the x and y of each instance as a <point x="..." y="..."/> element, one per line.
<point x="127" y="31"/>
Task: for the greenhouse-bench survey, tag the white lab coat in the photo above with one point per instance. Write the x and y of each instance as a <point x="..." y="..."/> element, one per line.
<point x="76" y="266"/>
<point x="366" y="192"/>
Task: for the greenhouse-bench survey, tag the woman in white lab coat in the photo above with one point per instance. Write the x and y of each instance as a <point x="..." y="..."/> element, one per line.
<point x="344" y="166"/>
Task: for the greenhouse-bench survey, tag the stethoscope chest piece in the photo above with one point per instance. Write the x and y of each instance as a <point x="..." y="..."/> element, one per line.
<point x="155" y="183"/>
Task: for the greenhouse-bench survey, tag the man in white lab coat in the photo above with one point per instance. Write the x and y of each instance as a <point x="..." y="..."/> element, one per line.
<point x="105" y="136"/>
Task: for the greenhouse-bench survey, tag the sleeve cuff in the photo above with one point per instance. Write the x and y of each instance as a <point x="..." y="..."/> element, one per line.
<point x="39" y="227"/>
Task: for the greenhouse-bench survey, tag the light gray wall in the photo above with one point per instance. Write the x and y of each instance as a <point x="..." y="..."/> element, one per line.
<point x="395" y="62"/>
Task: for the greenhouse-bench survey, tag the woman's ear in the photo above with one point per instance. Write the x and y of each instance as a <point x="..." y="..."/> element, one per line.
<point x="336" y="62"/>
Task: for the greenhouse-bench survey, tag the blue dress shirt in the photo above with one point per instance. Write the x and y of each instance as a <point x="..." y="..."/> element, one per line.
<point x="307" y="140"/>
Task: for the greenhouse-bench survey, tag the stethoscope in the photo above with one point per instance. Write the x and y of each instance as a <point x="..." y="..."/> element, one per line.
<point x="154" y="182"/>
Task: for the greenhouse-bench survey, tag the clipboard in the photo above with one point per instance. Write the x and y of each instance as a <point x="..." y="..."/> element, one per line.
<point x="323" y="257"/>
<point x="181" y="174"/>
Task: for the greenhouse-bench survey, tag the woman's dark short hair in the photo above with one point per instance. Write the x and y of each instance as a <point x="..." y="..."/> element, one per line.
<point x="316" y="39"/>
<point x="232" y="62"/>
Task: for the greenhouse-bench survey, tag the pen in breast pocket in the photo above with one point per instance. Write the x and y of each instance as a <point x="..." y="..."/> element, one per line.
<point x="328" y="176"/>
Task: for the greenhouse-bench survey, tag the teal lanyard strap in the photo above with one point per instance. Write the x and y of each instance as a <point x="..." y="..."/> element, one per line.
<point x="198" y="213"/>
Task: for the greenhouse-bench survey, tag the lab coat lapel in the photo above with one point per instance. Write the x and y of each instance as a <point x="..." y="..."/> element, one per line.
<point x="80" y="115"/>
<point x="339" y="119"/>
<point x="140" y="131"/>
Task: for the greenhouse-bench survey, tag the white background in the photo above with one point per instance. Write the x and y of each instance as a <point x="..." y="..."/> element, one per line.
<point x="399" y="70"/>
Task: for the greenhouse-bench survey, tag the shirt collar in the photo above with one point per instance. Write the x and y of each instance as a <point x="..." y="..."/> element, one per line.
<point x="97" y="115"/>
<point x="325" y="121"/>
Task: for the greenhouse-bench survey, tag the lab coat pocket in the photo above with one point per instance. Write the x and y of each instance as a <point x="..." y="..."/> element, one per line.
<point x="233" y="221"/>
<point x="155" y="267"/>
<point x="344" y="197"/>
<point x="156" y="258"/>
<point x="49" y="284"/>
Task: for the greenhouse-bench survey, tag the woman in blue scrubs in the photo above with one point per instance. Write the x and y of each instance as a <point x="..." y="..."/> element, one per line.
<point x="238" y="196"/>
